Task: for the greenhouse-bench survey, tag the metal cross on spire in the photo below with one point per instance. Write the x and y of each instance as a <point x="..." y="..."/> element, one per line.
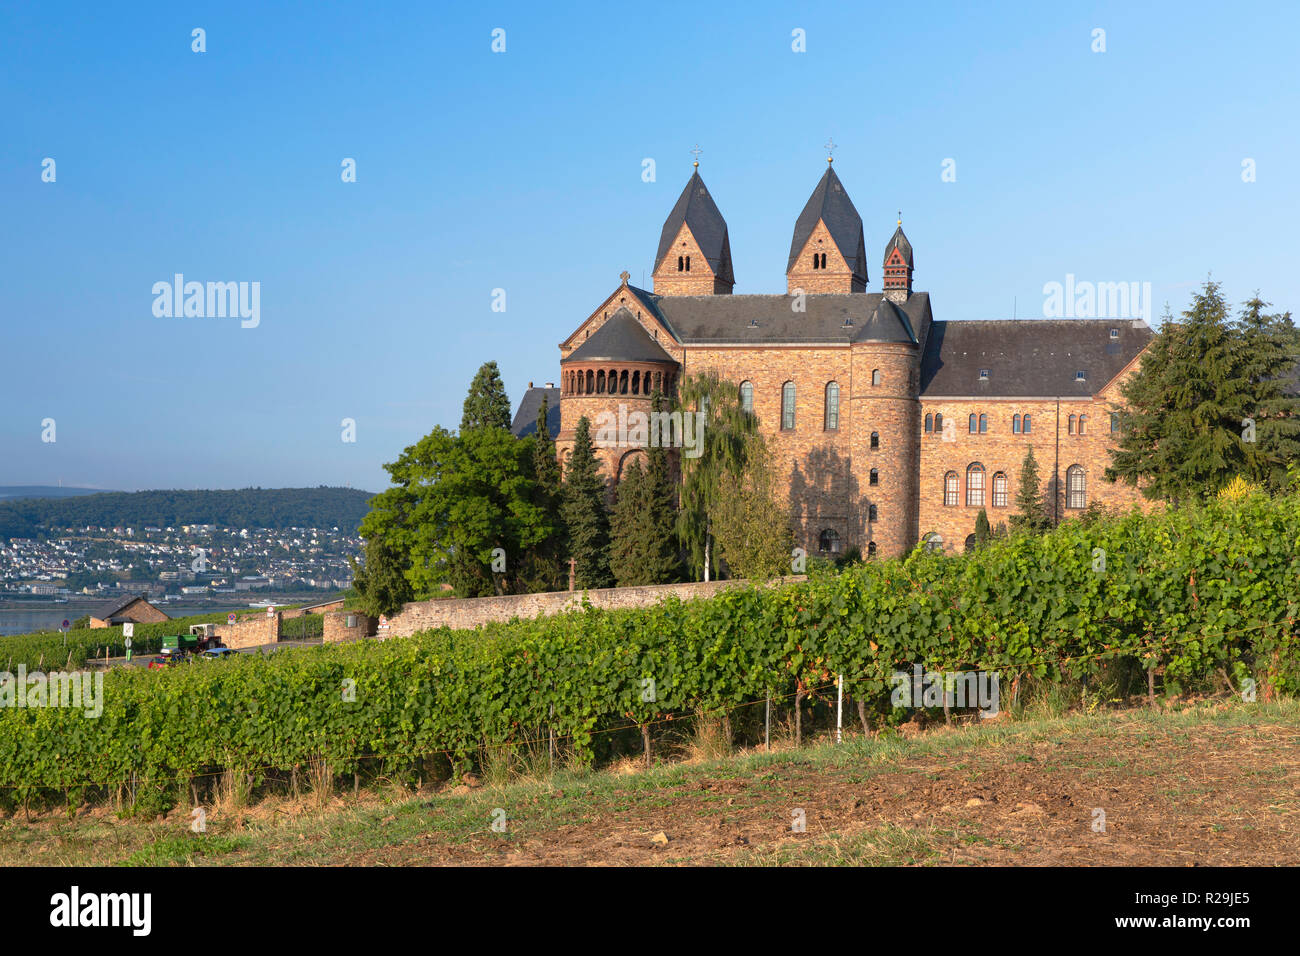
<point x="830" y="149"/>
<point x="695" y="151"/>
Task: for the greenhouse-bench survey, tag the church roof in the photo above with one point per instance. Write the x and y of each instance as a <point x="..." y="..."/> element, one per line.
<point x="525" y="422"/>
<point x="1028" y="357"/>
<point x="696" y="209"/>
<point x="837" y="318"/>
<point x="621" y="339"/>
<point x="899" y="242"/>
<point x="830" y="203"/>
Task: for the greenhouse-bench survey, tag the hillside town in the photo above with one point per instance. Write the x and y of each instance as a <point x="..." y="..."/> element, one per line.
<point x="173" y="563"/>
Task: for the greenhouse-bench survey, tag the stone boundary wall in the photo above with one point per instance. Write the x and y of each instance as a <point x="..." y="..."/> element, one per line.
<point x="337" y="629"/>
<point x="251" y="632"/>
<point x="463" y="613"/>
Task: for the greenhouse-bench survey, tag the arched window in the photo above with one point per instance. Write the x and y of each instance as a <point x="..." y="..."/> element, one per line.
<point x="591" y="379"/>
<point x="984" y="424"/>
<point x="600" y="382"/>
<point x="832" y="421"/>
<point x="1015" y="424"/>
<point x="871" y="513"/>
<point x="747" y="397"/>
<point x="829" y="542"/>
<point x="622" y="382"/>
<point x="787" y="406"/>
<point x="1000" y="490"/>
<point x="681" y="264"/>
<point x="1071" y="425"/>
<point x="950" y="489"/>
<point x="875" y="376"/>
<point x="1076" y="487"/>
<point x="1083" y="424"/>
<point x="929" y="422"/>
<point x="970" y="542"/>
<point x="972" y="424"/>
<point x="875" y="439"/>
<point x="636" y="383"/>
<point x="874" y="477"/>
<point x="933" y="541"/>
<point x="823" y="260"/>
<point x="938" y="423"/>
<point x="688" y="263"/>
<point x="871" y="549"/>
<point x="975" y="485"/>
<point x="1024" y="425"/>
<point x="816" y="261"/>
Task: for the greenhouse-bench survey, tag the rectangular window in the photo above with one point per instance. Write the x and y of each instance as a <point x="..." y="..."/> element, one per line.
<point x="787" y="406"/>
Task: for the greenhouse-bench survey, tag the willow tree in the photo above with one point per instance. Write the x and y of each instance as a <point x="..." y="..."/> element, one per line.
<point x="719" y="436"/>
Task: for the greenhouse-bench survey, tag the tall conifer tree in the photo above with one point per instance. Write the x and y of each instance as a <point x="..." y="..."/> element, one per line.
<point x="486" y="405"/>
<point x="584" y="515"/>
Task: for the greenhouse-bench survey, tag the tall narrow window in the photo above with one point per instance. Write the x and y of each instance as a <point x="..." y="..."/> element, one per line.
<point x="816" y="261"/>
<point x="929" y="422"/>
<point x="1114" y="423"/>
<point x="787" y="406"/>
<point x="875" y="439"/>
<point x="1083" y="424"/>
<point x="984" y="424"/>
<point x="875" y="376"/>
<point x="950" y="489"/>
<point x="972" y="424"/>
<point x="1000" y="490"/>
<point x="1025" y="423"/>
<point x="832" y="406"/>
<point x="872" y="514"/>
<point x="1015" y="424"/>
<point x="871" y="548"/>
<point x="1076" y="487"/>
<point x="681" y="264"/>
<point x="874" y="477"/>
<point x="1070" y="426"/>
<point x="938" y="423"/>
<point x="747" y="397"/>
<point x="975" y="485"/>
<point x="688" y="263"/>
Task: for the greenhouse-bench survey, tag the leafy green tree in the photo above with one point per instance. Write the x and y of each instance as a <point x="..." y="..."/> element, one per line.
<point x="1031" y="515"/>
<point x="1269" y="346"/>
<point x="583" y="512"/>
<point x="1183" y="433"/>
<point x="486" y="405"/>
<point x="544" y="563"/>
<point x="751" y="527"/>
<point x="462" y="507"/>
<point x="724" y="444"/>
<point x="381" y="582"/>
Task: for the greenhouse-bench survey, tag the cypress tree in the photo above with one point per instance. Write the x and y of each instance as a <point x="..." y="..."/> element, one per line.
<point x="1030" y="517"/>
<point x="486" y="405"/>
<point x="982" y="530"/>
<point x="584" y="515"/>
<point x="544" y="567"/>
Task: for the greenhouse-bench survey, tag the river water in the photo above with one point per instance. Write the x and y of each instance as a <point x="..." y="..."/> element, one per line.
<point x="48" y="617"/>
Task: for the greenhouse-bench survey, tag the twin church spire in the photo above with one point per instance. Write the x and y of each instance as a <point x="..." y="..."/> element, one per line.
<point x="827" y="251"/>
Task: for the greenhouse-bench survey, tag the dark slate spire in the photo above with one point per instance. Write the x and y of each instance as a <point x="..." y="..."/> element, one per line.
<point x="830" y="203"/>
<point x="899" y="242"/>
<point x="696" y="208"/>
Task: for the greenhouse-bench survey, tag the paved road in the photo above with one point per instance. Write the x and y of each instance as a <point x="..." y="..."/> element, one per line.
<point x="142" y="660"/>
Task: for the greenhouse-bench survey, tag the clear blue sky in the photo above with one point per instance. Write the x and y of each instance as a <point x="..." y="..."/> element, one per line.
<point x="522" y="171"/>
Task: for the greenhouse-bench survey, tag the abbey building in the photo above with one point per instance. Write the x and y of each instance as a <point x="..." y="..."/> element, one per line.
<point x="886" y="425"/>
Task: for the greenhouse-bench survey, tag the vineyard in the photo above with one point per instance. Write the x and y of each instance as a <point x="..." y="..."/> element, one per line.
<point x="1201" y="598"/>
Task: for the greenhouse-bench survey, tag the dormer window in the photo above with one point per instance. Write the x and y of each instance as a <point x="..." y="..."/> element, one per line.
<point x="1114" y="333"/>
<point x="1081" y="376"/>
<point x="984" y="375"/>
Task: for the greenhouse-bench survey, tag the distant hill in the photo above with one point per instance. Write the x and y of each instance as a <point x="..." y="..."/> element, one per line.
<point x="13" y="492"/>
<point x="341" y="508"/>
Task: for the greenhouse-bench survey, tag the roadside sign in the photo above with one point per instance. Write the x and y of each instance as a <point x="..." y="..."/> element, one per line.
<point x="230" y="618"/>
<point x="127" y="642"/>
<point x="270" y="610"/>
<point x="66" y="624"/>
<point x="128" y="630"/>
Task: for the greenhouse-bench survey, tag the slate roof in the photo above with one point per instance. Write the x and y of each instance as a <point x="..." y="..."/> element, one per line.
<point x="1028" y="357"/>
<point x="621" y="339"/>
<point x="108" y="609"/>
<point x="769" y="319"/>
<point x="899" y="241"/>
<point x="830" y="203"/>
<point x="696" y="208"/>
<point x="525" y="422"/>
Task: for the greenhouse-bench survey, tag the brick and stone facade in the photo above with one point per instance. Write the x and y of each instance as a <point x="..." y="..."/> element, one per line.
<point x="847" y="384"/>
